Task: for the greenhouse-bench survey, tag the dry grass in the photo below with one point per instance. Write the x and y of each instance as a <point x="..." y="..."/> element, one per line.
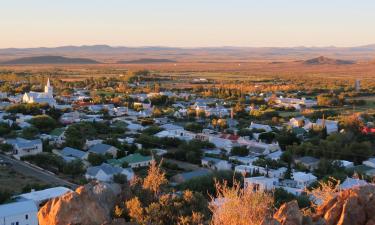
<point x="236" y="206"/>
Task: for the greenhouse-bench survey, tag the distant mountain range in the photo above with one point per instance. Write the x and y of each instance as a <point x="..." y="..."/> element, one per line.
<point x="324" y="60"/>
<point x="109" y="54"/>
<point x="49" y="60"/>
<point x="146" y="61"/>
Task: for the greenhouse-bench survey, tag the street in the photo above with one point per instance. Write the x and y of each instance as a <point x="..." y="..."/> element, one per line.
<point x="44" y="176"/>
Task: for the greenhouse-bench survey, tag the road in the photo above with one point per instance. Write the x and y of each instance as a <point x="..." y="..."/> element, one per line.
<point x="183" y="165"/>
<point x="27" y="170"/>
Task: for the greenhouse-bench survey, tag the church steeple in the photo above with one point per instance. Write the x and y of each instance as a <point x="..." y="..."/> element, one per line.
<point x="48" y="89"/>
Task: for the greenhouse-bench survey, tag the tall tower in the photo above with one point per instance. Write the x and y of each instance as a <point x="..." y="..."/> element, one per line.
<point x="48" y="89"/>
<point x="357" y="85"/>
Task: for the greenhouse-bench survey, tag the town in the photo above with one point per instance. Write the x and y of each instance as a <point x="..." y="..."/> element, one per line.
<point x="57" y="135"/>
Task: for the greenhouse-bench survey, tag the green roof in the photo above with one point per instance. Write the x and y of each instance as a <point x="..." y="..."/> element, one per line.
<point x="57" y="131"/>
<point x="299" y="130"/>
<point x="133" y="158"/>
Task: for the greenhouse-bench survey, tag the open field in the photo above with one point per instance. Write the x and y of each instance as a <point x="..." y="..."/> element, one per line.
<point x="223" y="70"/>
<point x="13" y="181"/>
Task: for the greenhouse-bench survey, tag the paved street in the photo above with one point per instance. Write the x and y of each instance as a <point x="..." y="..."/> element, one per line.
<point x="44" y="176"/>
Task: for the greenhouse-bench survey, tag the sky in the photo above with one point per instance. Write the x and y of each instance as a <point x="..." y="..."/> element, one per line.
<point x="187" y="23"/>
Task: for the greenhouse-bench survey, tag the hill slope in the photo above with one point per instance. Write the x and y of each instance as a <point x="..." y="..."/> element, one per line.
<point x="49" y="60"/>
<point x="146" y="61"/>
<point x="324" y="61"/>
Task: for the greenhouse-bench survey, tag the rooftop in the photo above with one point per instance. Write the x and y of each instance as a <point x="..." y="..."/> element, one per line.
<point x="16" y="208"/>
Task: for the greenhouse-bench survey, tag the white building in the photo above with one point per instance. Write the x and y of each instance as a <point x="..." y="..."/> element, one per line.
<point x="304" y="179"/>
<point x="216" y="164"/>
<point x="40" y="97"/>
<point x="370" y="162"/>
<point x="23" y="147"/>
<point x="105" y="172"/>
<point x="261" y="183"/>
<point x="272" y="173"/>
<point x="42" y="196"/>
<point x="19" y="213"/>
<point x="331" y="125"/>
<point x="258" y="126"/>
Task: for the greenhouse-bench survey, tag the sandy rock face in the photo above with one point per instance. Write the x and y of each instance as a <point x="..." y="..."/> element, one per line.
<point x="88" y="205"/>
<point x="350" y="207"/>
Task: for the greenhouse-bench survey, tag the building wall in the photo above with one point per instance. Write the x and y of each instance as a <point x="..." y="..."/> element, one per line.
<point x="21" y="219"/>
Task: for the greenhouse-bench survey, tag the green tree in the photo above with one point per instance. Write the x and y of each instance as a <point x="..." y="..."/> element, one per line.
<point x="96" y="159"/>
<point x="44" y="123"/>
<point x="240" y="151"/>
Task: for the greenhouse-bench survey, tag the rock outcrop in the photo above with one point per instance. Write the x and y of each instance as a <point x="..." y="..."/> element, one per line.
<point x="350" y="207"/>
<point x="88" y="205"/>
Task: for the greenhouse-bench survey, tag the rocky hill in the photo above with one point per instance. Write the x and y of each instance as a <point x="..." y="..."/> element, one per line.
<point x="49" y="60"/>
<point x="324" y="61"/>
<point x="88" y="205"/>
<point x="350" y="207"/>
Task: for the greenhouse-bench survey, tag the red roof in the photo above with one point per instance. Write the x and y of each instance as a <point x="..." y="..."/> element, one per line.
<point x="367" y="130"/>
<point x="231" y="137"/>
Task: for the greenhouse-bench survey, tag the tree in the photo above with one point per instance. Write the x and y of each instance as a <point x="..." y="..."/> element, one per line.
<point x="135" y="210"/>
<point x="6" y="147"/>
<point x="194" y="127"/>
<point x="44" y="123"/>
<point x="240" y="151"/>
<point x="120" y="178"/>
<point x="118" y="212"/>
<point x="95" y="159"/>
<point x="74" y="168"/>
<point x="155" y="179"/>
<point x="30" y="132"/>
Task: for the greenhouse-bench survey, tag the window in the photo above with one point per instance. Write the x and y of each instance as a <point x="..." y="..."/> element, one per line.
<point x="26" y="217"/>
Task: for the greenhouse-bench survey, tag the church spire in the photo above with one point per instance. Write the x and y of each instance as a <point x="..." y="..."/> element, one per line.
<point x="48" y="83"/>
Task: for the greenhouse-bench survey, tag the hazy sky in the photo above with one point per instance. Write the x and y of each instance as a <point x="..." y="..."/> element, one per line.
<point x="33" y="23"/>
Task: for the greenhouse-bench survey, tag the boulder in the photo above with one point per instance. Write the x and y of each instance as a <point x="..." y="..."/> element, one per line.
<point x="90" y="204"/>
<point x="354" y="206"/>
<point x="289" y="214"/>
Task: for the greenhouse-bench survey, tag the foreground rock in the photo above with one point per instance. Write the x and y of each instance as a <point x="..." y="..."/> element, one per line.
<point x="88" y="205"/>
<point x="350" y="207"/>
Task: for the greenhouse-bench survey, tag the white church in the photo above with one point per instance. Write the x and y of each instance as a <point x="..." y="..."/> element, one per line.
<point x="40" y="97"/>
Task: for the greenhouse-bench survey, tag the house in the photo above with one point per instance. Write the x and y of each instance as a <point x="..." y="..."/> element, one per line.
<point x="23" y="147"/>
<point x="370" y="162"/>
<point x="102" y="149"/>
<point x="105" y="172"/>
<point x="58" y="136"/>
<point x="273" y="173"/>
<point x="331" y="125"/>
<point x="133" y="160"/>
<point x="134" y="127"/>
<point x="70" y="154"/>
<point x="183" y="177"/>
<point x="309" y="162"/>
<point x="42" y="196"/>
<point x="303" y="179"/>
<point x="261" y="183"/>
<point x="175" y="131"/>
<point x="352" y="182"/>
<point x="70" y="117"/>
<point x="19" y="213"/>
<point x="221" y="143"/>
<point x="295" y="102"/>
<point x="298" y="121"/>
<point x="246" y="160"/>
<point x="215" y="164"/>
<point x="344" y="163"/>
<point x="274" y="155"/>
<point x="257" y="126"/>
